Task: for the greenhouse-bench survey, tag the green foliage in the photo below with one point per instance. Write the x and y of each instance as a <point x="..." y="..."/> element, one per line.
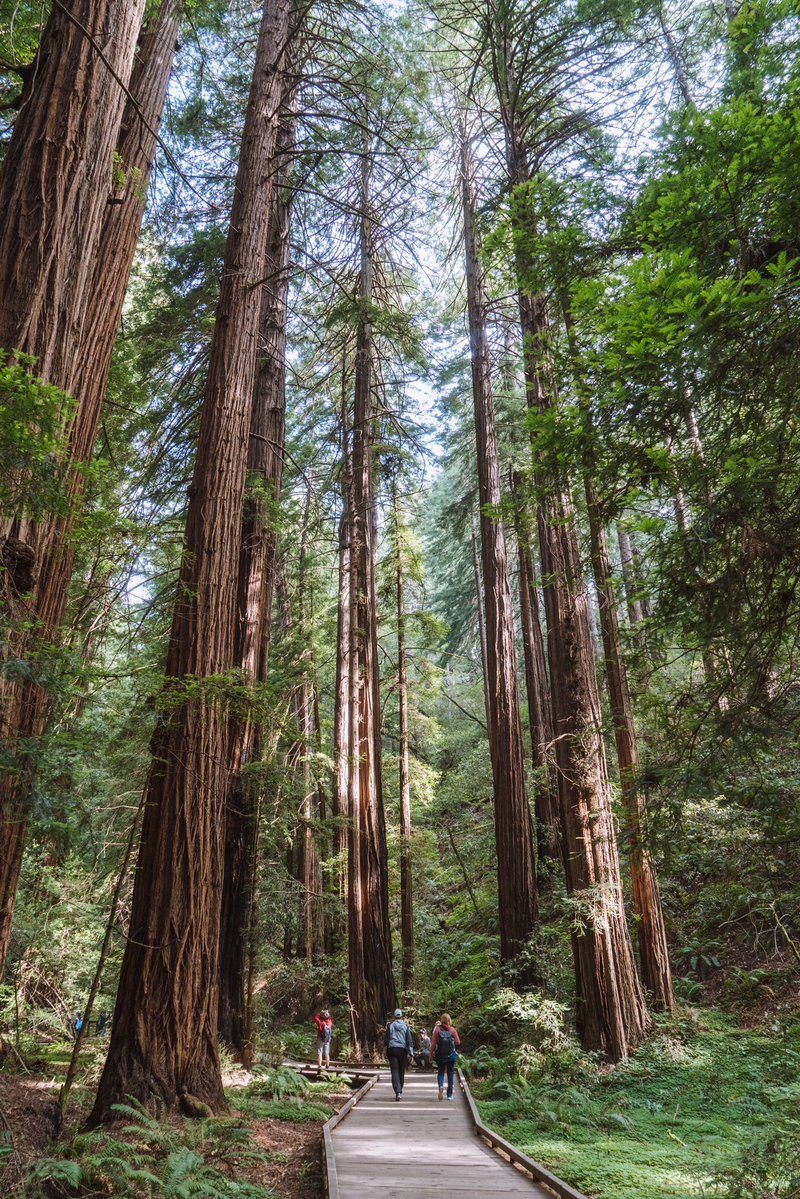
<point x="670" y="1120"/>
<point x="279" y="1082"/>
<point x="34" y="423"/>
<point x="152" y="1157"/>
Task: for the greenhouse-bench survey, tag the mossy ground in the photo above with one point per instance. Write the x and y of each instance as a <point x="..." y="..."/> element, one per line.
<point x="662" y="1124"/>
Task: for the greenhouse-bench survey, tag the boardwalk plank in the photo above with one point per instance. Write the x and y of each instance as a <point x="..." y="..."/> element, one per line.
<point x="420" y="1148"/>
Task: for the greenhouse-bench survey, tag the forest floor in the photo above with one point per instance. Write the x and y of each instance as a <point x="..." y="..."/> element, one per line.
<point x="702" y="1097"/>
<point x="660" y="1126"/>
<point x="269" y="1144"/>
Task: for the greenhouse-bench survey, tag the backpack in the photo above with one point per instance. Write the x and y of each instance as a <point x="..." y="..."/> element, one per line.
<point x="445" y="1045"/>
<point x="327" y="1035"/>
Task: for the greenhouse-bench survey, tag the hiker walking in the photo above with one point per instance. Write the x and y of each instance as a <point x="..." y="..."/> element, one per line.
<point x="444" y="1044"/>
<point x="423" y="1057"/>
<point x="324" y="1025"/>
<point x="399" y="1049"/>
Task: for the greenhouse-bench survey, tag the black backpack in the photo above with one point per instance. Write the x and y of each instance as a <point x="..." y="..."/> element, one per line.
<point x="445" y="1045"/>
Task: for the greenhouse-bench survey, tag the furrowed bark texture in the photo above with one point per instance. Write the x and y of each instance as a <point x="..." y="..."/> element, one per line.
<point x="406" y="879"/>
<point x="516" y="858"/>
<point x="255" y="587"/>
<point x="54" y="192"/>
<point x="654" y="962"/>
<point x="371" y="981"/>
<point x="611" y="1014"/>
<point x="164" y="1035"/>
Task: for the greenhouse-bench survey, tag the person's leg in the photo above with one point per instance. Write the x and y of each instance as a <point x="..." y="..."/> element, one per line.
<point x="327" y="1054"/>
<point x="319" y="1053"/>
<point x="394" y="1067"/>
<point x="451" y="1067"/>
<point x="440" y="1079"/>
<point x="401" y="1070"/>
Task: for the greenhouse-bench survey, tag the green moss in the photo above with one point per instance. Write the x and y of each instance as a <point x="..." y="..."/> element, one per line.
<point x="661" y="1125"/>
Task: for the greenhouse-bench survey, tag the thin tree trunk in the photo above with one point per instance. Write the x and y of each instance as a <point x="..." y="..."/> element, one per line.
<point x="164" y="1035"/>
<point x="653" y="950"/>
<point x="371" y="980"/>
<point x="54" y="192"/>
<point x="254" y="602"/>
<point x="654" y="961"/>
<point x="97" y="978"/>
<point x="516" y="855"/>
<point x="611" y="1013"/>
<point x="630" y="578"/>
<point x="479" y="608"/>
<point x="341" y="715"/>
<point x="537" y="685"/>
<point x="406" y="878"/>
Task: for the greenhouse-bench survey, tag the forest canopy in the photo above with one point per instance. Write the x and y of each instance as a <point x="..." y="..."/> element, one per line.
<point x="399" y="563"/>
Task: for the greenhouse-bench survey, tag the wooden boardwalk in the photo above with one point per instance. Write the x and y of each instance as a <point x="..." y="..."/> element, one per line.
<point x="420" y="1148"/>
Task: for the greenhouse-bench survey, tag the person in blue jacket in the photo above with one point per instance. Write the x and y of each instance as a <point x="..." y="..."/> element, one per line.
<point x="399" y="1050"/>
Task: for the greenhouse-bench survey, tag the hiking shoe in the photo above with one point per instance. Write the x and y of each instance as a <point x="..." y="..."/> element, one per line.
<point x="397" y="1098"/>
<point x="449" y="1098"/>
<point x="441" y="1094"/>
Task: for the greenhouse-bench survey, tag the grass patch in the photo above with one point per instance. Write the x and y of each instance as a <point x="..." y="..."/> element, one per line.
<point x="292" y="1111"/>
<point x="683" y="1109"/>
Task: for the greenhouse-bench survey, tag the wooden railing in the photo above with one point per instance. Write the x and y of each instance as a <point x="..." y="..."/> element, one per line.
<point x="538" y="1172"/>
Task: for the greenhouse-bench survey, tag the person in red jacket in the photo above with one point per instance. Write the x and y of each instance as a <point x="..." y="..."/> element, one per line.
<point x="324" y="1037"/>
<point x="444" y="1044"/>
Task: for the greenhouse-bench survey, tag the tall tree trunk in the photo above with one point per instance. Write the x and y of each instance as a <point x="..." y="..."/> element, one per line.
<point x="341" y="714"/>
<point x="653" y="950"/>
<point x="516" y="856"/>
<point x="54" y="193"/>
<point x="611" y="1013"/>
<point x="537" y="685"/>
<point x="371" y="980"/>
<point x="254" y="603"/>
<point x="654" y="962"/>
<point x="164" y="1035"/>
<point x="298" y="762"/>
<point x="406" y="879"/>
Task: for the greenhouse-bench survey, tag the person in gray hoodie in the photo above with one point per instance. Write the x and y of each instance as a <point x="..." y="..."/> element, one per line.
<point x="399" y="1050"/>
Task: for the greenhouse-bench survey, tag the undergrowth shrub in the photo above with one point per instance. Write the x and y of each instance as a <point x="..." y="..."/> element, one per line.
<point x="767" y="1170"/>
<point x="154" y="1158"/>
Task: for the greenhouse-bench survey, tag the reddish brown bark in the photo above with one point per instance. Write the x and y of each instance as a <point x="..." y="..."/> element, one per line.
<point x="371" y="980"/>
<point x="611" y="1014"/>
<point x="341" y="715"/>
<point x="516" y="859"/>
<point x="480" y="609"/>
<point x="66" y="255"/>
<point x="654" y="962"/>
<point x="406" y="878"/>
<point x="254" y="606"/>
<point x="537" y="686"/>
<point x="164" y="1035"/>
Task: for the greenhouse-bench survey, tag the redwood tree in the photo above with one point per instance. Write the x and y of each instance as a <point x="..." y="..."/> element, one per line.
<point x="57" y="237"/>
<point x="255" y="586"/>
<point x="371" y="981"/>
<point x="516" y="858"/>
<point x="406" y="879"/>
<point x="611" y="1012"/>
<point x="164" y="1035"/>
